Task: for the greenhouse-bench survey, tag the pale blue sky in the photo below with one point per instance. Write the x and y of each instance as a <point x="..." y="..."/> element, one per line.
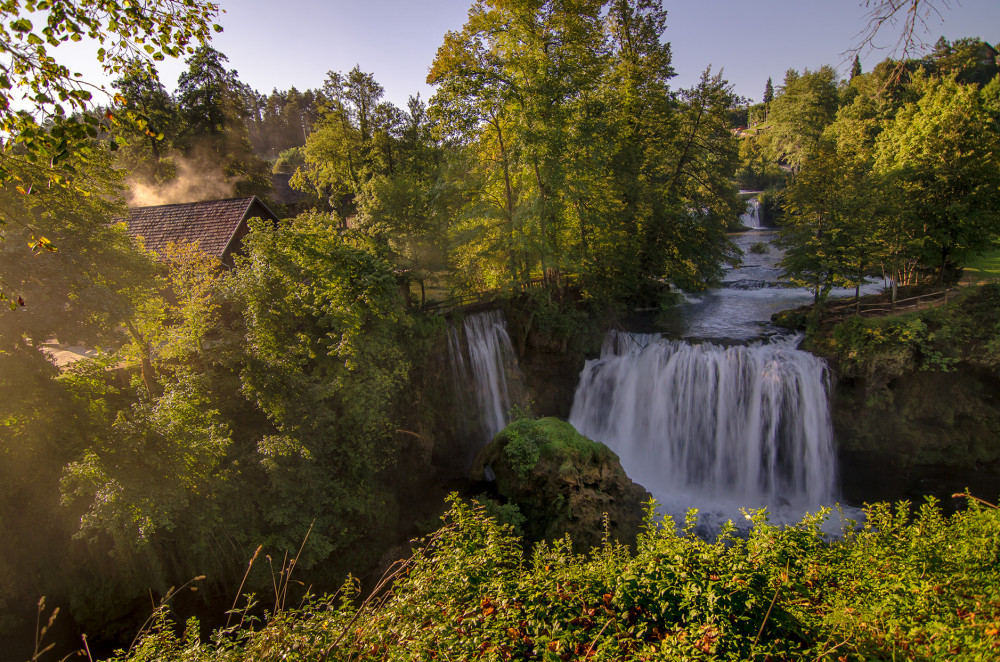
<point x="295" y="42"/>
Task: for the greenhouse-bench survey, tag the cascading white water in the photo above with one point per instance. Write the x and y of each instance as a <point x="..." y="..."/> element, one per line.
<point x="751" y="218"/>
<point x="713" y="427"/>
<point x="490" y="358"/>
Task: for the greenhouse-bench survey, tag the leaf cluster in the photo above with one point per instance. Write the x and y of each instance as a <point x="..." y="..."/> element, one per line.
<point x="49" y="122"/>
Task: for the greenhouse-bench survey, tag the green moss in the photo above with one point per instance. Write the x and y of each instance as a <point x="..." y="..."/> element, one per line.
<point x="526" y="441"/>
<point x="562" y="440"/>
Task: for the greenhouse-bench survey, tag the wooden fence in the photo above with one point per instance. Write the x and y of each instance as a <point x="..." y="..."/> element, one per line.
<point x="842" y="311"/>
<point x="473" y="300"/>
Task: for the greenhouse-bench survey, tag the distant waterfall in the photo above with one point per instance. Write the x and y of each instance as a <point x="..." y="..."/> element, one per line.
<point x="751" y="217"/>
<point x="745" y="425"/>
<point x="482" y="367"/>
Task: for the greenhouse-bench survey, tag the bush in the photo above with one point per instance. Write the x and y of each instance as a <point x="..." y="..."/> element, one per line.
<point x="772" y="209"/>
<point x="899" y="586"/>
<point x="522" y="448"/>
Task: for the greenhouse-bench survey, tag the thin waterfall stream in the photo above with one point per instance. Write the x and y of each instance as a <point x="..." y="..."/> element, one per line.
<point x="484" y="368"/>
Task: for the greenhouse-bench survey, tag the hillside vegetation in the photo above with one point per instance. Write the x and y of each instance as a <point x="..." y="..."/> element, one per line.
<point x="921" y="386"/>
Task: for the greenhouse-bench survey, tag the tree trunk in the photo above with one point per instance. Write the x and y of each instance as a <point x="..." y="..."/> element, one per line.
<point x="146" y="365"/>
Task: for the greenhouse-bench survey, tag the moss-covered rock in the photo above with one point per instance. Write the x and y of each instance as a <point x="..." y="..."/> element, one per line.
<point x="562" y="482"/>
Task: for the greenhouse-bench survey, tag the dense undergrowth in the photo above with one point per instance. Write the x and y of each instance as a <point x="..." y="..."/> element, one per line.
<point x="966" y="330"/>
<point x="903" y="585"/>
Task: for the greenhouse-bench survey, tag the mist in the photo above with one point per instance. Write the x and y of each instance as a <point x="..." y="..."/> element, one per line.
<point x="197" y="179"/>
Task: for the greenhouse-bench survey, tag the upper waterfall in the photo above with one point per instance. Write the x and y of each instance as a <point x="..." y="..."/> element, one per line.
<point x="751" y="217"/>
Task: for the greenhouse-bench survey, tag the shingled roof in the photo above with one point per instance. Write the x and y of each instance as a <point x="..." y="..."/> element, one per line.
<point x="216" y="225"/>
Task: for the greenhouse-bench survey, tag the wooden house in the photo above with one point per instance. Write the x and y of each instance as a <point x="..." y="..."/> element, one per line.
<point x="218" y="226"/>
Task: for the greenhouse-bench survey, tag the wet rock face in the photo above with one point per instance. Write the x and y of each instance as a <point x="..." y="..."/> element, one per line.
<point x="562" y="483"/>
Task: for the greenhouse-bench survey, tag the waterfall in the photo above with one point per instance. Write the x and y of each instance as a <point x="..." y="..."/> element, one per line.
<point x="751" y="218"/>
<point x="482" y="367"/>
<point x="703" y="425"/>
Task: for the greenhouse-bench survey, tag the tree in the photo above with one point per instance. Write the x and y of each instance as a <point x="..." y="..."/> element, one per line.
<point x="943" y="153"/>
<point x="287" y="118"/>
<point x="702" y="163"/>
<point x="208" y="94"/>
<point x="323" y="359"/>
<point x="768" y="92"/>
<point x="213" y="106"/>
<point x="829" y="234"/>
<point x="969" y="61"/>
<point x="806" y="104"/>
<point x="145" y="121"/>
<point x="870" y="103"/>
<point x="855" y="68"/>
<point x="354" y="141"/>
<point x="52" y="126"/>
<point x="583" y="160"/>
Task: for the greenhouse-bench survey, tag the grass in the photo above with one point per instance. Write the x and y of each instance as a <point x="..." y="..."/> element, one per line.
<point x="984" y="267"/>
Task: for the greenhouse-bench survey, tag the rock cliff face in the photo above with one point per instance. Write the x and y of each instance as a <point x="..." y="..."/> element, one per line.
<point x="916" y="404"/>
<point x="562" y="482"/>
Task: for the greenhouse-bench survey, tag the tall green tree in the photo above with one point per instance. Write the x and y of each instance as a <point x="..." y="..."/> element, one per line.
<point x="943" y="153"/>
<point x="213" y="106"/>
<point x="830" y="229"/>
<point x="855" y="68"/>
<point x="355" y="141"/>
<point x="584" y="158"/>
<point x="508" y="96"/>
<point x="805" y="105"/>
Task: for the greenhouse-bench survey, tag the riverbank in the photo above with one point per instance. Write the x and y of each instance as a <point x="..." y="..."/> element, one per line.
<point x="916" y="399"/>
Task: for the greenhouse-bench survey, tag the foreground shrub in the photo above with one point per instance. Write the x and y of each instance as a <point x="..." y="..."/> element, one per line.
<point x="900" y="586"/>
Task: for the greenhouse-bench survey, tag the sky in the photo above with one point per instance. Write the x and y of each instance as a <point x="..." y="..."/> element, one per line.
<point x="296" y="42"/>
